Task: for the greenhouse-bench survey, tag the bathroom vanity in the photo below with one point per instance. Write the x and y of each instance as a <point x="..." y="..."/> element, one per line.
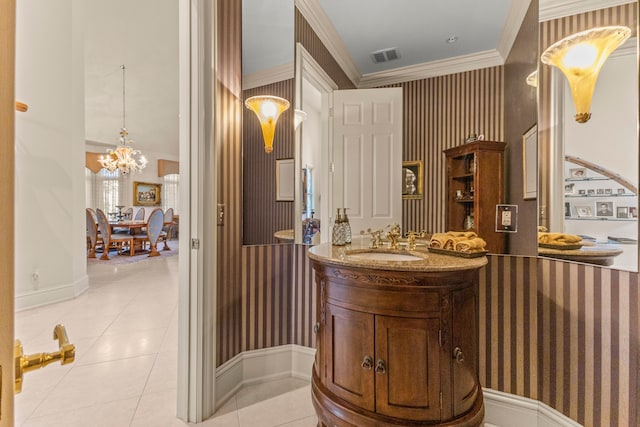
<point x="396" y="337"/>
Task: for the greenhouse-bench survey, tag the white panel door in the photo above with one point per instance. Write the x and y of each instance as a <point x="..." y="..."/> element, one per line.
<point x="366" y="157"/>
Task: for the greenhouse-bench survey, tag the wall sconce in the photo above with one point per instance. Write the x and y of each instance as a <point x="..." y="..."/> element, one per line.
<point x="299" y="117"/>
<point x="580" y="57"/>
<point x="268" y="109"/>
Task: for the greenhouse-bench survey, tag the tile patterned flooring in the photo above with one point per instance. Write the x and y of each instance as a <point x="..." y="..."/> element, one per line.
<point x="125" y="331"/>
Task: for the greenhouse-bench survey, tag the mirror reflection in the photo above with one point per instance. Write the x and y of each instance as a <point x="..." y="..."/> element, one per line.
<point x="267" y="69"/>
<point x="589" y="170"/>
<point x="444" y="102"/>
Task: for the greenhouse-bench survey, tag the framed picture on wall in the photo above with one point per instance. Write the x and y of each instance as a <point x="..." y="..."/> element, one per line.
<point x="284" y="180"/>
<point x="584" y="211"/>
<point x="530" y="163"/>
<point x="412" y="179"/>
<point x="146" y="193"/>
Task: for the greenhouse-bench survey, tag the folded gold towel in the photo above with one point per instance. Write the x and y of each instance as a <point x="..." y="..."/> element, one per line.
<point x="451" y="242"/>
<point x="438" y="240"/>
<point x="466" y="234"/>
<point x="558" y="239"/>
<point x="471" y="245"/>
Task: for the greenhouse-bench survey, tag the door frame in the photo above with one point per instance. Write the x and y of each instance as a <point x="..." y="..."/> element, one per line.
<point x="197" y="295"/>
<point x="7" y="170"/>
<point x="307" y="68"/>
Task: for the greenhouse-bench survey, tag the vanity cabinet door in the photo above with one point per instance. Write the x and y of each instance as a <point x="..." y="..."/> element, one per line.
<point x="350" y="355"/>
<point x="408" y="368"/>
<point x="465" y="387"/>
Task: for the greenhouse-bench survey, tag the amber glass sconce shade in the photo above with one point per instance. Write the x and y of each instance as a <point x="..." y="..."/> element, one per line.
<point x="580" y="57"/>
<point x="268" y="109"/>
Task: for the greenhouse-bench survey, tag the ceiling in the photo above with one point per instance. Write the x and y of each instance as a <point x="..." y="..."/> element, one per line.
<point x="352" y="30"/>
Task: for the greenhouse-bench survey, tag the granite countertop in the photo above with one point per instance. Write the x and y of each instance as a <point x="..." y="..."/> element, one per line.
<point x="285" y="235"/>
<point x="601" y="254"/>
<point x="359" y="255"/>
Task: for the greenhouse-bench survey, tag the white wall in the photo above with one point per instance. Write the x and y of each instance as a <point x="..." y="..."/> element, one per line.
<point x="50" y="225"/>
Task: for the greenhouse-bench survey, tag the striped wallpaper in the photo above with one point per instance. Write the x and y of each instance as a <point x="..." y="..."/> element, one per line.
<point x="228" y="139"/>
<point x="263" y="215"/>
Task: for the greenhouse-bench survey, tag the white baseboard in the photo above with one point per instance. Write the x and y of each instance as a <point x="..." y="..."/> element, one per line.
<point x="40" y="297"/>
<point x="503" y="409"/>
<point x="257" y="366"/>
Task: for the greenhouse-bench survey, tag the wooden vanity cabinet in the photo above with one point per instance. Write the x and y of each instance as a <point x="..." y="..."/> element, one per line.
<point x="475" y="185"/>
<point x="386" y="344"/>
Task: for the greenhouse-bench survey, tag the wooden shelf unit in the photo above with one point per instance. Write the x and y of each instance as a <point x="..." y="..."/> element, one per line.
<point x="476" y="171"/>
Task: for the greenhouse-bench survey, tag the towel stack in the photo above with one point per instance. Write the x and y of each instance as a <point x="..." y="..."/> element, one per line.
<point x="458" y="241"/>
<point x="558" y="239"/>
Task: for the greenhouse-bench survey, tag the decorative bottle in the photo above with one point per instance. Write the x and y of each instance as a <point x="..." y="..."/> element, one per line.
<point x="346" y="226"/>
<point x="337" y="234"/>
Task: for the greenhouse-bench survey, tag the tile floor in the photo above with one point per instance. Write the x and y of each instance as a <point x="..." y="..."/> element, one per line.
<point x="125" y="331"/>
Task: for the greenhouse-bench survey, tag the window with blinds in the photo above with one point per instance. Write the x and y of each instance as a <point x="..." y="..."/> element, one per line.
<point x="105" y="190"/>
<point x="170" y="192"/>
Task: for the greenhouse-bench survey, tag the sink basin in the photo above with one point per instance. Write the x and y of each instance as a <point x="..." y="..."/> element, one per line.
<point x="383" y="256"/>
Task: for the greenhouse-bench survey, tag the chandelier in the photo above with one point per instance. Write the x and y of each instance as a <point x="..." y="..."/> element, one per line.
<point x="123" y="157"/>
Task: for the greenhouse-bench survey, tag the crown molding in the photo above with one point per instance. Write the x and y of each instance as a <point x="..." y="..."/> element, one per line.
<point x="515" y="16"/>
<point x="554" y="9"/>
<point x="459" y="64"/>
<point x="268" y="76"/>
<point x="324" y="29"/>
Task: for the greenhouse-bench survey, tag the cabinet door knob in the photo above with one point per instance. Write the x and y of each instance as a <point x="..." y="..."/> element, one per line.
<point x="381" y="366"/>
<point x="367" y="362"/>
<point x="316" y="328"/>
<point x="458" y="355"/>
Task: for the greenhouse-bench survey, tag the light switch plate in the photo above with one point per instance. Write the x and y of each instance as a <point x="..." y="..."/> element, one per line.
<point x="220" y="214"/>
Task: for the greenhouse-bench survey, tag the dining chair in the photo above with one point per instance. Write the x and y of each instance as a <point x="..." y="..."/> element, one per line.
<point x="109" y="240"/>
<point x="153" y="232"/>
<point x="127" y="213"/>
<point x="139" y="215"/>
<point x="92" y="233"/>
<point x="167" y="227"/>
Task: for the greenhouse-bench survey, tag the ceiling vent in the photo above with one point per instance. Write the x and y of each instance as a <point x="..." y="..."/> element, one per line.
<point x="385" y="55"/>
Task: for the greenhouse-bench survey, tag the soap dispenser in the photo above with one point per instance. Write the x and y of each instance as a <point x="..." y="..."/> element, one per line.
<point x="347" y="227"/>
<point x="337" y="235"/>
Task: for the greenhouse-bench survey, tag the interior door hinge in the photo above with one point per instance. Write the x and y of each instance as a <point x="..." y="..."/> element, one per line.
<point x="330" y="111"/>
<point x="195" y="243"/>
<point x="332" y="167"/>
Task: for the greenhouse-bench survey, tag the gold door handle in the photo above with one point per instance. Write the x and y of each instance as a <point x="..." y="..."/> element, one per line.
<point x="25" y="363"/>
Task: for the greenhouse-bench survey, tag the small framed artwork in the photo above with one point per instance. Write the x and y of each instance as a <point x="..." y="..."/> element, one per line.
<point x="633" y="212"/>
<point x="591" y="192"/>
<point x="146" y="193"/>
<point x="578" y="173"/>
<point x="621" y="191"/>
<point x="567" y="209"/>
<point x="412" y="179"/>
<point x="604" y="209"/>
<point x="530" y="163"/>
<point x="622" y="212"/>
<point x="569" y="188"/>
<point x="284" y="180"/>
<point x="582" y="192"/>
<point x="608" y="191"/>
<point x="584" y="211"/>
<point x="600" y="191"/>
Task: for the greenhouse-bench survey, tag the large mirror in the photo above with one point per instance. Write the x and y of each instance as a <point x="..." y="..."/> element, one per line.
<point x="589" y="171"/>
<point x="490" y="61"/>
<point x="458" y="78"/>
<point x="267" y="69"/>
